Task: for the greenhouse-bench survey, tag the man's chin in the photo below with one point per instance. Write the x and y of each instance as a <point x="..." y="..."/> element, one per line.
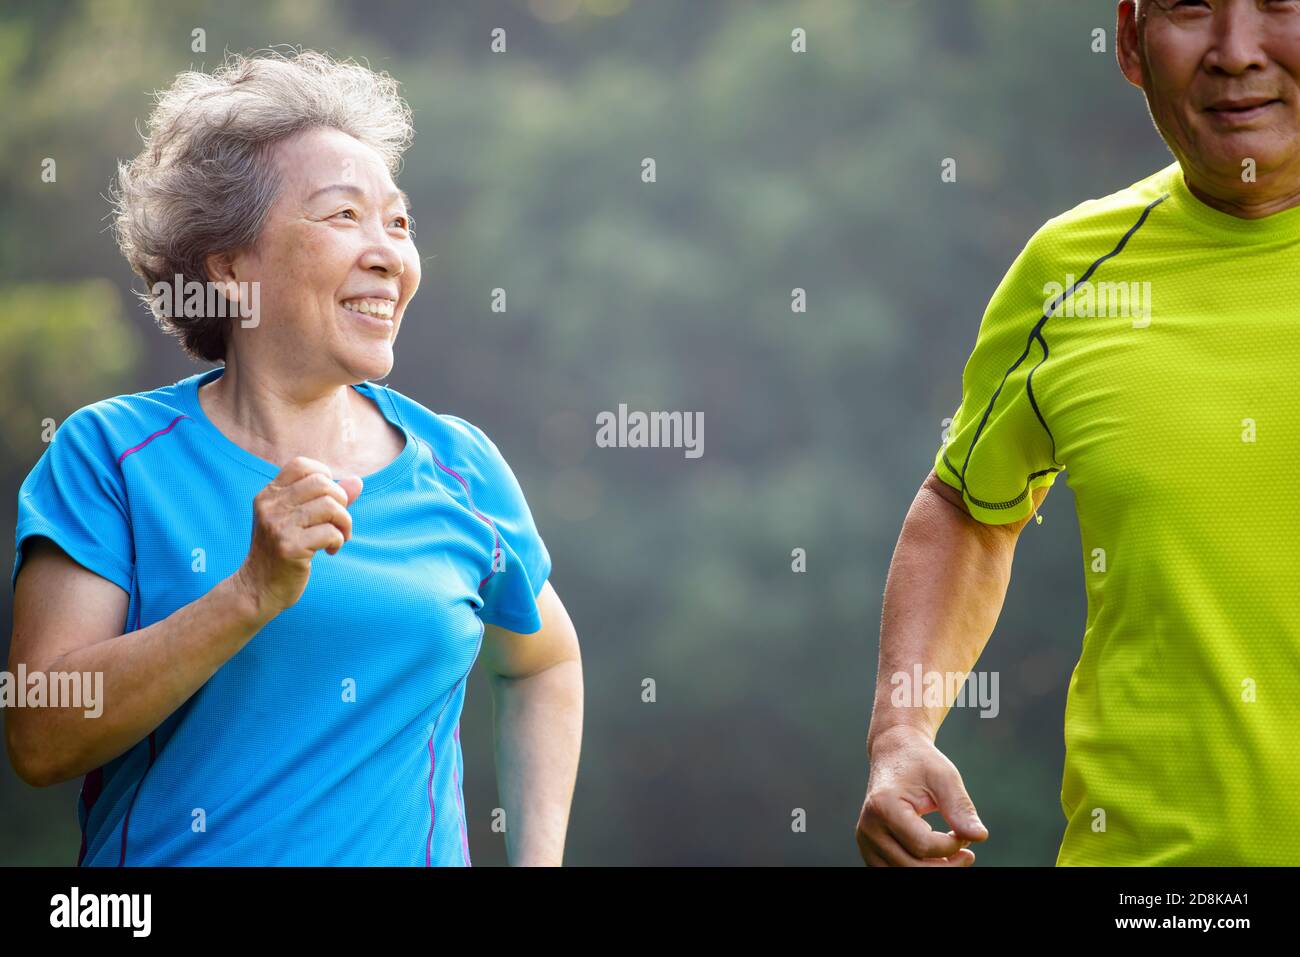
<point x="1244" y="157"/>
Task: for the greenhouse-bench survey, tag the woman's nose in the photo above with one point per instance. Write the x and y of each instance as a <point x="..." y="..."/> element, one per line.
<point x="384" y="255"/>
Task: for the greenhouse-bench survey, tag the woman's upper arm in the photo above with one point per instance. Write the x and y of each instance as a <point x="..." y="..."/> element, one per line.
<point x="509" y="654"/>
<point x="60" y="606"/>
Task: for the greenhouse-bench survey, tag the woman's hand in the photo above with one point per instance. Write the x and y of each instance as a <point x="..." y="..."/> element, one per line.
<point x="301" y="511"/>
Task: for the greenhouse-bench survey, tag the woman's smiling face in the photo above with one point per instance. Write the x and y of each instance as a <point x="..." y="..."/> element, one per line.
<point x="336" y="260"/>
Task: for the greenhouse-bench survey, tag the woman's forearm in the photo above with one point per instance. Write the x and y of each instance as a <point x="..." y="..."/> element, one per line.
<point x="538" y="731"/>
<point x="147" y="675"/>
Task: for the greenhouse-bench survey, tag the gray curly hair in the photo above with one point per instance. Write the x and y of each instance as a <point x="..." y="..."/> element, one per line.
<point x="205" y="180"/>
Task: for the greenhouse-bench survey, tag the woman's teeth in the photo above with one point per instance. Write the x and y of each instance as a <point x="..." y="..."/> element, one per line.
<point x="379" y="308"/>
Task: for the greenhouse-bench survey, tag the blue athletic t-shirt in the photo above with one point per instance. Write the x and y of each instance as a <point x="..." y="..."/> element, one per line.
<point x="332" y="737"/>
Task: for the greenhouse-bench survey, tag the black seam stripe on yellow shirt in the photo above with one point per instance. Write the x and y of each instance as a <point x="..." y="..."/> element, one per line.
<point x="1037" y="333"/>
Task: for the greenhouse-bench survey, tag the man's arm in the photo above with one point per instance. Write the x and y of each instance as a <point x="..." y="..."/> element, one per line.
<point x="945" y="589"/>
<point x="537" y="711"/>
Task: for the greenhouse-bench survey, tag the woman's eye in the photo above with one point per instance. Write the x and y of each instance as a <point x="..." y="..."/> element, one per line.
<point x="402" y="222"/>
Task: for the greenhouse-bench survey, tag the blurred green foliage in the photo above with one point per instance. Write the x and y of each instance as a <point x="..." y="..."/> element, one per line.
<point x="64" y="345"/>
<point x="775" y="170"/>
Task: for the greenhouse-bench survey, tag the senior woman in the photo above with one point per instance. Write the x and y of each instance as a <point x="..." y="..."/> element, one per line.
<point x="293" y="695"/>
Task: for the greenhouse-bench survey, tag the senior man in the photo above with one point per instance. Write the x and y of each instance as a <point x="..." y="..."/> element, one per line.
<point x="1178" y="423"/>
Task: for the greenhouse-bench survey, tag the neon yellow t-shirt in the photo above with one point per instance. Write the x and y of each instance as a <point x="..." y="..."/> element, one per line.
<point x="1164" y="371"/>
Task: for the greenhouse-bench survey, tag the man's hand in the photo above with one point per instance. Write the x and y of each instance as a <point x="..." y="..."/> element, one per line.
<point x="910" y="778"/>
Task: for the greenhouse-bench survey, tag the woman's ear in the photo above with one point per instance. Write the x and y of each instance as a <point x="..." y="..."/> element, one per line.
<point x="220" y="268"/>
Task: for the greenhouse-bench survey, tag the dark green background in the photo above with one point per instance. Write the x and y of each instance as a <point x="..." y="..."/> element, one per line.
<point x="775" y="170"/>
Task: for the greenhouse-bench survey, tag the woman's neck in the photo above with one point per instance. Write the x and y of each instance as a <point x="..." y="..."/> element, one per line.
<point x="275" y="421"/>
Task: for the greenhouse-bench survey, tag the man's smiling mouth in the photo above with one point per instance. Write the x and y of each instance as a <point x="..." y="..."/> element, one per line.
<point x="1241" y="106"/>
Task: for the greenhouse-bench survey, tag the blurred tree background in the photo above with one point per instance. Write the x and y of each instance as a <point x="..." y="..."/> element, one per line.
<point x="775" y="170"/>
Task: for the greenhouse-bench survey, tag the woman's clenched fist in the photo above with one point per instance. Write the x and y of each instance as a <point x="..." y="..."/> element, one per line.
<point x="300" y="512"/>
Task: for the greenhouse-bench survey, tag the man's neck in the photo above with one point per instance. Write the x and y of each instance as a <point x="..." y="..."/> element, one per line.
<point x="1255" y="203"/>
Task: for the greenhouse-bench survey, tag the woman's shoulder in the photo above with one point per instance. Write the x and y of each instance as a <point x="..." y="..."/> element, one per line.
<point x="443" y="430"/>
<point x="469" y="465"/>
<point x="112" y="426"/>
<point x="458" y="445"/>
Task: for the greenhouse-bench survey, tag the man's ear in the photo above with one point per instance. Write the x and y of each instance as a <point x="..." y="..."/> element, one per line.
<point x="1128" y="44"/>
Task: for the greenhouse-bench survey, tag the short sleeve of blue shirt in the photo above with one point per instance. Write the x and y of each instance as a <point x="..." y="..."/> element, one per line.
<point x="521" y="564"/>
<point x="75" y="496"/>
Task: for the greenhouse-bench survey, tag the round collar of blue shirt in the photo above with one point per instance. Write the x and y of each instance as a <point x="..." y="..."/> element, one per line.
<point x="376" y="480"/>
